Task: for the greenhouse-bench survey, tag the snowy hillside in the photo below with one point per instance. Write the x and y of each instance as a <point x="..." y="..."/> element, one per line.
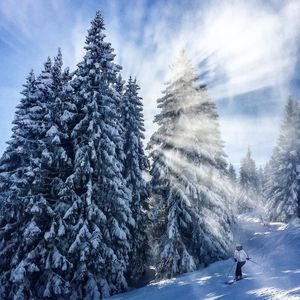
<point x="91" y="196"/>
<point x="276" y="250"/>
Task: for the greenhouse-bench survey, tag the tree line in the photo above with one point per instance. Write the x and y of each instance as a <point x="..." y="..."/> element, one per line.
<point x="78" y="220"/>
<point x="275" y="186"/>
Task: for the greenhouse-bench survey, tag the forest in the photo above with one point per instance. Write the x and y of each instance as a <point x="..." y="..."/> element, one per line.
<point x="87" y="207"/>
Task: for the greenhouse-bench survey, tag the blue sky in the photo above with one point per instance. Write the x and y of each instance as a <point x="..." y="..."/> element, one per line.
<point x="247" y="51"/>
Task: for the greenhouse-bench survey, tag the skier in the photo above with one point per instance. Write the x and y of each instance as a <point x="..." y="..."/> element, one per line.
<point x="240" y="256"/>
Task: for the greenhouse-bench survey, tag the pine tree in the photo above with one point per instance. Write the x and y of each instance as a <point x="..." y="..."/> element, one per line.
<point x="100" y="212"/>
<point x="16" y="178"/>
<point x="282" y="187"/>
<point x="38" y="266"/>
<point x="248" y="196"/>
<point x="248" y="174"/>
<point x="232" y="174"/>
<point x="119" y="86"/>
<point x="135" y="164"/>
<point x="15" y="171"/>
<point x="190" y="208"/>
<point x="56" y="166"/>
<point x="260" y="179"/>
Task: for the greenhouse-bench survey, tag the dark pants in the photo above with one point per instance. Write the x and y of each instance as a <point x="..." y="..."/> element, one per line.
<point x="238" y="271"/>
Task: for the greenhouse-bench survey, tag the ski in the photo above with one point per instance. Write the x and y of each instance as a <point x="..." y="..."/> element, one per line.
<point x="231" y="281"/>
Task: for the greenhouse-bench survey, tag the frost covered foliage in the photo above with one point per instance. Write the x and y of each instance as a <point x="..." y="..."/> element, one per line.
<point x="72" y="221"/>
<point x="190" y="183"/>
<point x="33" y="168"/>
<point x="249" y="184"/>
<point x="134" y="164"/>
<point x="248" y="174"/>
<point x="15" y="171"/>
<point x="282" y="188"/>
<point x="232" y="174"/>
<point x="99" y="213"/>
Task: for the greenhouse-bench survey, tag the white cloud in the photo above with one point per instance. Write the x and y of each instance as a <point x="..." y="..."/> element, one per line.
<point x="252" y="44"/>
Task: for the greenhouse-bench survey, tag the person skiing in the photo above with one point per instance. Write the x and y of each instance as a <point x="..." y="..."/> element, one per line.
<point x="240" y="256"/>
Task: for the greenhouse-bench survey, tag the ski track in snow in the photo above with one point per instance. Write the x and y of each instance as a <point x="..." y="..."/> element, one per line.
<point x="276" y="276"/>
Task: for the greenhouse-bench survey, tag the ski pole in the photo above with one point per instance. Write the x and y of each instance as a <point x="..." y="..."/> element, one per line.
<point x="230" y="269"/>
<point x="254" y="262"/>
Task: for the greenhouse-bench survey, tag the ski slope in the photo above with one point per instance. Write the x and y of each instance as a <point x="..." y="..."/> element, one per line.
<point x="276" y="274"/>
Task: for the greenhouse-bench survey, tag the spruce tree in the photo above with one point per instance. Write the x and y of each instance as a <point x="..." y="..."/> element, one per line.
<point x="56" y="166"/>
<point x="15" y="170"/>
<point x="119" y="86"/>
<point x="190" y="207"/>
<point x="260" y="179"/>
<point x="248" y="174"/>
<point x="282" y="187"/>
<point x="232" y="174"/>
<point x="100" y="213"/>
<point x="38" y="265"/>
<point x="248" y="196"/>
<point x="134" y="165"/>
<point x="16" y="178"/>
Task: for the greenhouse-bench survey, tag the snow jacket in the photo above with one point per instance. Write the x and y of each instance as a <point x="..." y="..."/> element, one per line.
<point x="240" y="255"/>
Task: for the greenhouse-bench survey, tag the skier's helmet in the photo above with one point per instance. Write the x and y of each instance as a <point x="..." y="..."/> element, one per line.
<point x="239" y="247"/>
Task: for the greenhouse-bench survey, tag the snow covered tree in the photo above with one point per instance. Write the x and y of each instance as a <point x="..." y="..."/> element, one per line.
<point x="37" y="266"/>
<point x="232" y="174"/>
<point x="248" y="174"/>
<point x="248" y="195"/>
<point x="119" y="86"/>
<point x="134" y="165"/>
<point x="190" y="208"/>
<point x="54" y="166"/>
<point x="16" y="176"/>
<point x="260" y="179"/>
<point x="15" y="170"/>
<point x="267" y="171"/>
<point x="282" y="188"/>
<point x="100" y="213"/>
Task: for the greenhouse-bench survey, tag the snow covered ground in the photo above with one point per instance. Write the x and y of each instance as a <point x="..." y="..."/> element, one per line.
<point x="276" y="274"/>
